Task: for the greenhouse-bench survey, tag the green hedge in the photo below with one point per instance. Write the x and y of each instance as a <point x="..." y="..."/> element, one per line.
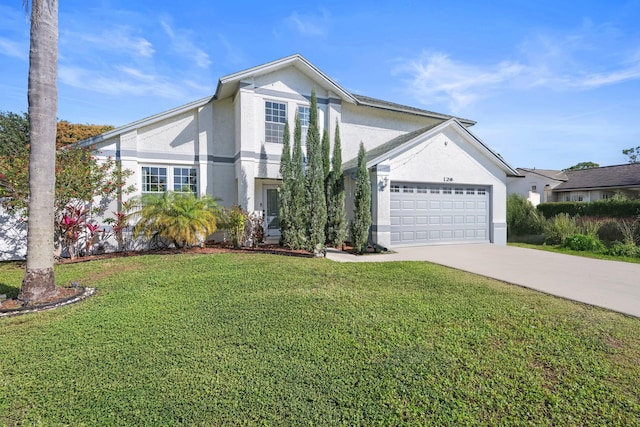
<point x="600" y="208"/>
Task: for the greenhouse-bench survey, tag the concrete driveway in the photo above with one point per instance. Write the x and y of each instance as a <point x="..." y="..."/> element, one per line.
<point x="609" y="284"/>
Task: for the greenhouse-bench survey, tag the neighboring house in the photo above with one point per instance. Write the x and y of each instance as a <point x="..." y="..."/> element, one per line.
<point x="536" y="184"/>
<point x="584" y="185"/>
<point x="433" y="181"/>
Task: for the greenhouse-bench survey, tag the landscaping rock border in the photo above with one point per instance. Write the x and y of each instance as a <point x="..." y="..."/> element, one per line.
<point x="86" y="293"/>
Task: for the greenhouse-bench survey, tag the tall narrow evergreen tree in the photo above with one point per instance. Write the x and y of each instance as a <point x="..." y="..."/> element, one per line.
<point x="336" y="219"/>
<point x="326" y="153"/>
<point x="326" y="166"/>
<point x="284" y="191"/>
<point x="362" y="200"/>
<point x="298" y="222"/>
<point x="316" y="201"/>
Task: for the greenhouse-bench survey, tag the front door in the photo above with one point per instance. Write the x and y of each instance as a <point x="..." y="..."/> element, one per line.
<point x="272" y="212"/>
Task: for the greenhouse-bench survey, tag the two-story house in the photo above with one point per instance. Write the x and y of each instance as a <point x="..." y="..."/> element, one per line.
<point x="433" y="181"/>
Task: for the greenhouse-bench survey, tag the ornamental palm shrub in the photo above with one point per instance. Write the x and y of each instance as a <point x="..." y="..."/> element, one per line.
<point x="522" y="217"/>
<point x="181" y="218"/>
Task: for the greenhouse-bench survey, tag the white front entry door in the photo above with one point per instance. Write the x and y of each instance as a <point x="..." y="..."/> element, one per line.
<point x="272" y="211"/>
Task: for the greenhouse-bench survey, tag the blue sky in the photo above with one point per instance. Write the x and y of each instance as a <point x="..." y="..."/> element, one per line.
<point x="550" y="83"/>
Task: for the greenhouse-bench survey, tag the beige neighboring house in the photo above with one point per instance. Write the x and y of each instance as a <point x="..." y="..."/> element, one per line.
<point x="585" y="185"/>
<point x="433" y="181"/>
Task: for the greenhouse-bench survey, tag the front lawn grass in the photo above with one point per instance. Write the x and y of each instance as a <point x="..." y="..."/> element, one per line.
<point x="244" y="339"/>
<point x="562" y="250"/>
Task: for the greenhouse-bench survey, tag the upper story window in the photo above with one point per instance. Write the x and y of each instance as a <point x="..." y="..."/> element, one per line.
<point x="303" y="114"/>
<point x="275" y="117"/>
<point x="154" y="180"/>
<point x="185" y="180"/>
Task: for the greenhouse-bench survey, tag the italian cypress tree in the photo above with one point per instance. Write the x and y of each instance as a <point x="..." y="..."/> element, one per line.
<point x="284" y="192"/>
<point x="336" y="219"/>
<point x="326" y="166"/>
<point x="297" y="219"/>
<point x="362" y="200"/>
<point x="315" y="184"/>
<point x="326" y="152"/>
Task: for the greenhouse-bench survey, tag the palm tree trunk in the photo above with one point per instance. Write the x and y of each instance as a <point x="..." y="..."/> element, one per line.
<point x="39" y="279"/>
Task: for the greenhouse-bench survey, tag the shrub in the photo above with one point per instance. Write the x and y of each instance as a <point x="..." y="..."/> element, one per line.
<point x="589" y="225"/>
<point x="582" y="242"/>
<point x="522" y="217"/>
<point x="558" y="228"/>
<point x="182" y="219"/>
<point x="236" y="220"/>
<point x="616" y="207"/>
<point x="610" y="232"/>
<point x="624" y="249"/>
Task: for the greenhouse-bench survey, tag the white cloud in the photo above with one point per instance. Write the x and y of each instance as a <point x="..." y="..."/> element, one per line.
<point x="182" y="44"/>
<point x="123" y="81"/>
<point x="14" y="49"/>
<point x="118" y="39"/>
<point x="435" y="77"/>
<point x="310" y="25"/>
<point x="583" y="60"/>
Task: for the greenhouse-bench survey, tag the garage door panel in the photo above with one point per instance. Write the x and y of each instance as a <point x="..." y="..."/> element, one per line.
<point x="426" y="213"/>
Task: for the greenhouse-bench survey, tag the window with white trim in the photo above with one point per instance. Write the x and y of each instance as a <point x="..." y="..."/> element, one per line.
<point x="407" y="189"/>
<point x="434" y="190"/>
<point x="421" y="189"/>
<point x="275" y="116"/>
<point x="185" y="180"/>
<point x="459" y="190"/>
<point x="304" y="113"/>
<point x="154" y="179"/>
<point x="481" y="192"/>
<point x="394" y="188"/>
<point x="446" y="190"/>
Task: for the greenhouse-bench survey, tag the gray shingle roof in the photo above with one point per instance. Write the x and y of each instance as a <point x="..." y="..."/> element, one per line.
<point x="386" y="105"/>
<point x="605" y="177"/>
<point x="547" y="173"/>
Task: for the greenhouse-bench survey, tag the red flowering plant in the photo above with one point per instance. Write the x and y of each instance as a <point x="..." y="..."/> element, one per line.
<point x="83" y="183"/>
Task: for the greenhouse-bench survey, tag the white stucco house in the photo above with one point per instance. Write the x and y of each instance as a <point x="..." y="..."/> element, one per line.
<point x="433" y="181"/>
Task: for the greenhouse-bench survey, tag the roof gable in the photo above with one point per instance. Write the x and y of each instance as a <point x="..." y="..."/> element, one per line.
<point x="405" y="142"/>
<point x="229" y="84"/>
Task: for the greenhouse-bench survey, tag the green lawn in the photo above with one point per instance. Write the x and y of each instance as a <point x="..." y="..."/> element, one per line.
<point x="245" y="339"/>
<point x="562" y="250"/>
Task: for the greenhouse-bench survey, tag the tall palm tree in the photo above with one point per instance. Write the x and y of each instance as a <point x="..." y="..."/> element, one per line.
<point x="39" y="279"/>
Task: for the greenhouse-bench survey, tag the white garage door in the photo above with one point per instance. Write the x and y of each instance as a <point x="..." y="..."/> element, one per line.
<point x="436" y="213"/>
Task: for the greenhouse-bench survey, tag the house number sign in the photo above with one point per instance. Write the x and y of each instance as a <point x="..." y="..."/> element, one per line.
<point x="448" y="179"/>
